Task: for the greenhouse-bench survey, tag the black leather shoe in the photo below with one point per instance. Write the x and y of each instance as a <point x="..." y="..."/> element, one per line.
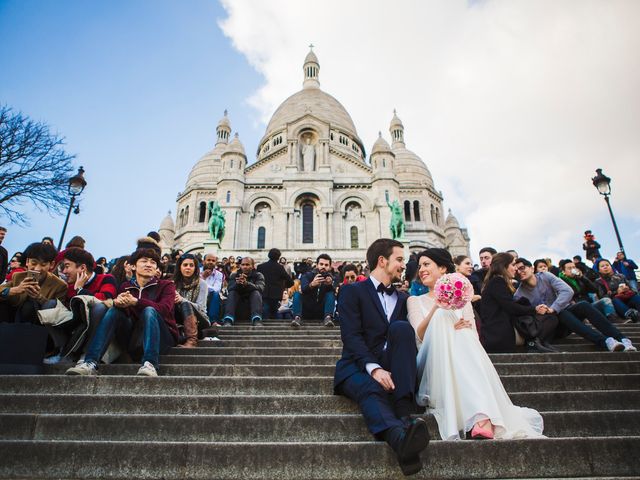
<point x="536" y="345"/>
<point x="415" y="440"/>
<point x="551" y="347"/>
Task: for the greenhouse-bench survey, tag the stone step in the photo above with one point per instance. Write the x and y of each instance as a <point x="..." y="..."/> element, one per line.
<point x="199" y="385"/>
<point x="182" y="404"/>
<point x="220" y="348"/>
<point x="590" y="457"/>
<point x="177" y="368"/>
<point x="269" y="428"/>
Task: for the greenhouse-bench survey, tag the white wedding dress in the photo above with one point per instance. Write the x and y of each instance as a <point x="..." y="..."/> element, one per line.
<point x="458" y="382"/>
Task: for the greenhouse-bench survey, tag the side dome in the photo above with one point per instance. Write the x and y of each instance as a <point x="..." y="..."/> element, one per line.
<point x="410" y="169"/>
<point x="167" y="223"/>
<point x="380" y="145"/>
<point x="203" y="173"/>
<point x="451" y="221"/>
<point x="235" y="146"/>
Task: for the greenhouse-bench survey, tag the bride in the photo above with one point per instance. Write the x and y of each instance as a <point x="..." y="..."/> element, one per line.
<point x="458" y="382"/>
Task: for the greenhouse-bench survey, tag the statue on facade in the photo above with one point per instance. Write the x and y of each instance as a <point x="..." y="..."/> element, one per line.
<point x="308" y="156"/>
<point x="216" y="221"/>
<point x="397" y="221"/>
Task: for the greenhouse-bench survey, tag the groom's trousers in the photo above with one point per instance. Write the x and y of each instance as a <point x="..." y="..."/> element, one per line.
<point x="376" y="404"/>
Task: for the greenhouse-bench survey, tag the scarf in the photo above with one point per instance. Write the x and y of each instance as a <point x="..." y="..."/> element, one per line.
<point x="572" y="282"/>
<point x="190" y="290"/>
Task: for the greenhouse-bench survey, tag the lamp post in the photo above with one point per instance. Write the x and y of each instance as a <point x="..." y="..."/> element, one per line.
<point x="603" y="184"/>
<point x="76" y="186"/>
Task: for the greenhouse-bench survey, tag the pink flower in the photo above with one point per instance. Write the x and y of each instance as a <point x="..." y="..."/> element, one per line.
<point x="458" y="284"/>
<point x="458" y="293"/>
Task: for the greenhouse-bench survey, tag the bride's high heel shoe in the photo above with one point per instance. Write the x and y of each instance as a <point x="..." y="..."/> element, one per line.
<point x="482" y="432"/>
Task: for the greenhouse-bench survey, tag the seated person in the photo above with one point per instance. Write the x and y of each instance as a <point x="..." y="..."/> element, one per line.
<point x="142" y="314"/>
<point x="214" y="279"/>
<point x="540" y="265"/>
<point x="586" y="271"/>
<point x="318" y="293"/>
<point x="191" y="299"/>
<point x="285" y="309"/>
<point x="30" y="291"/>
<point x="245" y="286"/>
<point x="14" y="267"/>
<point x="78" y="268"/>
<point x="583" y="288"/>
<point x="625" y="300"/>
<point x="545" y="288"/>
<point x="501" y="312"/>
<point x="626" y="267"/>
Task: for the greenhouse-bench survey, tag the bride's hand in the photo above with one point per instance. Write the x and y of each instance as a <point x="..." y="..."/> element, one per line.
<point x="462" y="323"/>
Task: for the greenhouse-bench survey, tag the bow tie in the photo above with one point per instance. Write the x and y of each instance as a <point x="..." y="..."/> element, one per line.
<point x="388" y="290"/>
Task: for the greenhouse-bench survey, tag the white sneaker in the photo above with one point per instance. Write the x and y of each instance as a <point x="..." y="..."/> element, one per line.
<point x="613" y="345"/>
<point x="84" y="368"/>
<point x="148" y="370"/>
<point x="628" y="346"/>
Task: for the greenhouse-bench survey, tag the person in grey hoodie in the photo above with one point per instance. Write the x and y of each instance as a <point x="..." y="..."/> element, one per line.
<point x="547" y="289"/>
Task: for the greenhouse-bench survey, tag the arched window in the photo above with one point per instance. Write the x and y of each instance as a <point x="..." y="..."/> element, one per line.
<point x="202" y="212"/>
<point x="181" y="219"/>
<point x="384" y="163"/>
<point x="186" y="215"/>
<point x="262" y="233"/>
<point x="354" y="237"/>
<point x="386" y="195"/>
<point x="416" y="210"/>
<point x="231" y="164"/>
<point x="437" y="216"/>
<point x="433" y="214"/>
<point x="307" y="223"/>
<point x="228" y="196"/>
<point x="407" y="211"/>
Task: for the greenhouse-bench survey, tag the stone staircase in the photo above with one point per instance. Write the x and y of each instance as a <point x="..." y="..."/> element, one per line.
<point x="258" y="405"/>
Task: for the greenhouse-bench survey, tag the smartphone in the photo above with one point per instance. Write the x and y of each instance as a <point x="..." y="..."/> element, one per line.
<point x="34" y="274"/>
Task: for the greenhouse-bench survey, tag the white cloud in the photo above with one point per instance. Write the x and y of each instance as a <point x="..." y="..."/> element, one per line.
<point x="511" y="104"/>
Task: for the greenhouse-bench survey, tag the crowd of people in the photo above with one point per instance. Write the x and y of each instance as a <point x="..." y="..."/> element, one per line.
<point x="398" y="342"/>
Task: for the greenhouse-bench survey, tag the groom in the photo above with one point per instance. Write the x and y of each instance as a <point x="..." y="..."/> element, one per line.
<point x="378" y="365"/>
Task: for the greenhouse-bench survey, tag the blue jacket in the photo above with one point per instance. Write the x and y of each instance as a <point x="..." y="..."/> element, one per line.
<point x="628" y="271"/>
<point x="363" y="327"/>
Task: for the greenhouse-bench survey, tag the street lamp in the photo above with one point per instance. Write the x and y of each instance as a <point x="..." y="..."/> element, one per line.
<point x="76" y="186"/>
<point x="603" y="184"/>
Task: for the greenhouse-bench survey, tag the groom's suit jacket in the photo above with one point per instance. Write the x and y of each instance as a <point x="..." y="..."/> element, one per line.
<point x="364" y="327"/>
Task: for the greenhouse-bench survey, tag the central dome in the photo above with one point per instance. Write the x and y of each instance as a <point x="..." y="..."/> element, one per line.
<point x="315" y="102"/>
<point x="312" y="101"/>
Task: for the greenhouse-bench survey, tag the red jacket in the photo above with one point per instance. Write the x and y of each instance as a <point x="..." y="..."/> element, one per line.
<point x="102" y="286"/>
<point x="157" y="294"/>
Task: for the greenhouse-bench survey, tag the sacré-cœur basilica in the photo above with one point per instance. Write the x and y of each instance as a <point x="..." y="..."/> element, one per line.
<point x="311" y="188"/>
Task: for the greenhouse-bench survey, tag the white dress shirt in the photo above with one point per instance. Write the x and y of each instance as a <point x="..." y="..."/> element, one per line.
<point x="388" y="304"/>
<point x="214" y="281"/>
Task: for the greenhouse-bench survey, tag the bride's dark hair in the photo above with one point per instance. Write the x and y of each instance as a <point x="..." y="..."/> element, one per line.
<point x="440" y="256"/>
<point x="498" y="268"/>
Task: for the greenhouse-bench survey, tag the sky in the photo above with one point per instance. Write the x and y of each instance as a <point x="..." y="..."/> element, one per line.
<point x="511" y="104"/>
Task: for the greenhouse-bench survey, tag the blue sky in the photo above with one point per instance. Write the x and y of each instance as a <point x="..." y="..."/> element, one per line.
<point x="512" y="105"/>
<point x="136" y="88"/>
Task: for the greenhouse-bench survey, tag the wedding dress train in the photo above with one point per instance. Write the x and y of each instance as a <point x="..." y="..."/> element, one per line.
<point x="458" y="382"/>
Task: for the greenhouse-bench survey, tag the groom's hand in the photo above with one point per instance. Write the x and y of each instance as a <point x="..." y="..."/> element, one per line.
<point x="383" y="378"/>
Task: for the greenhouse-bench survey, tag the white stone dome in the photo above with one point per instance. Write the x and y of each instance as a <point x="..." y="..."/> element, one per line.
<point x="410" y="169"/>
<point x="451" y="221"/>
<point x="380" y="145"/>
<point x="235" y="146"/>
<point x="204" y="172"/>
<point x="315" y="102"/>
<point x="167" y="223"/>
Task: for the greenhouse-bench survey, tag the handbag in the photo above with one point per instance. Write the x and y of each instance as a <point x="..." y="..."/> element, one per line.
<point x="528" y="326"/>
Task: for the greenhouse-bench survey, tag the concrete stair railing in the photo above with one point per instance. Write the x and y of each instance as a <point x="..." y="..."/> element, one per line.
<point x="258" y="404"/>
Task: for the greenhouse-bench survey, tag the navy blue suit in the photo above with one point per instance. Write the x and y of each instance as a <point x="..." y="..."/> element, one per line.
<point x="368" y="337"/>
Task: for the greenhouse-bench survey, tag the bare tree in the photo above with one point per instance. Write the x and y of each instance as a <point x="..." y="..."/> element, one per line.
<point x="34" y="168"/>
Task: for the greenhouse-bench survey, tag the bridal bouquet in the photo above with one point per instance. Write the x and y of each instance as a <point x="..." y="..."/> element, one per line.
<point x="453" y="291"/>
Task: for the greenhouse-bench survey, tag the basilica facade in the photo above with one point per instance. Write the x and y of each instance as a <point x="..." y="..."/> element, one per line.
<point x="311" y="188"/>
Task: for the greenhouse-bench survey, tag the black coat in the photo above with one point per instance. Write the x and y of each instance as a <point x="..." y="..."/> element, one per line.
<point x="276" y="279"/>
<point x="498" y="312"/>
<point x="4" y="263"/>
